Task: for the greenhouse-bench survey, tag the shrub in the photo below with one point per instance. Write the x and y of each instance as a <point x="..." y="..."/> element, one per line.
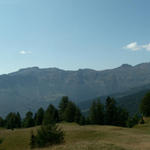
<point x="133" y="121"/>
<point x="47" y="135"/>
<point x="142" y="120"/>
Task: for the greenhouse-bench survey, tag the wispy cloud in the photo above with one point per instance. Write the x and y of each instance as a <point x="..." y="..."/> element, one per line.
<point x="147" y="47"/>
<point x="23" y="52"/>
<point x="134" y="46"/>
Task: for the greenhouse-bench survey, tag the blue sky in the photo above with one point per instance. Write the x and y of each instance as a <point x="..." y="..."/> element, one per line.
<point x="73" y="34"/>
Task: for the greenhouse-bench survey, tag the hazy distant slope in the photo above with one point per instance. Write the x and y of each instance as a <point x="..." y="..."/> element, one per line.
<point x="130" y="100"/>
<point x="32" y="87"/>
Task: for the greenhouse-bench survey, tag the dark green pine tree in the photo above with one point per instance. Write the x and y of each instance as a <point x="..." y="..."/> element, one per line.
<point x="11" y="121"/>
<point x="69" y="114"/>
<point x="18" y="120"/>
<point x="47" y="135"/>
<point x="96" y="115"/>
<point x="78" y="115"/>
<point x="39" y="116"/>
<point x="82" y="120"/>
<point x="110" y="112"/>
<point x="132" y="121"/>
<point x="62" y="107"/>
<point x="145" y="105"/>
<point x="92" y="113"/>
<point x="28" y="120"/>
<point x="122" y="117"/>
<point x="2" y="122"/>
<point x="50" y="115"/>
<point x="99" y="112"/>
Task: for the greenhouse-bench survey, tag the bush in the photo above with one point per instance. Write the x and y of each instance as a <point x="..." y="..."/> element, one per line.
<point x="47" y="135"/>
<point x="142" y="120"/>
<point x="133" y="121"/>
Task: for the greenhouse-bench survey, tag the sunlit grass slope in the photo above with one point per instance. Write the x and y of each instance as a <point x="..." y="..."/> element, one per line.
<point x="85" y="138"/>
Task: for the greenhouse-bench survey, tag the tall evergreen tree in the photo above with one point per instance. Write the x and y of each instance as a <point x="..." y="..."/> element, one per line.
<point x="122" y="117"/>
<point x="28" y="120"/>
<point x="1" y="122"/>
<point x="110" y="111"/>
<point x="50" y="115"/>
<point x="77" y="117"/>
<point x="62" y="107"/>
<point x="39" y="116"/>
<point x="18" y="121"/>
<point x="96" y="114"/>
<point x="69" y="114"/>
<point x="92" y="113"/>
<point x="11" y="121"/>
<point x="145" y="105"/>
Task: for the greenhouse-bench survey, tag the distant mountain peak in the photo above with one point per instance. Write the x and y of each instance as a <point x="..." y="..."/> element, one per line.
<point x="25" y="71"/>
<point x="126" y="66"/>
<point x="29" y="69"/>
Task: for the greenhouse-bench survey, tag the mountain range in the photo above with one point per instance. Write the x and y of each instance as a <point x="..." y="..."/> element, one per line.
<point x="31" y="88"/>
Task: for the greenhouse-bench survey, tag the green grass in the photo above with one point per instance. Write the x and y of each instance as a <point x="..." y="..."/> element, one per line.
<point x="84" y="138"/>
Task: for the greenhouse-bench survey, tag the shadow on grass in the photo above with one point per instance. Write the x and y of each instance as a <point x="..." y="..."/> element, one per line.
<point x="1" y="140"/>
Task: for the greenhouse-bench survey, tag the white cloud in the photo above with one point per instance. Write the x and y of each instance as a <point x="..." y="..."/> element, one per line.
<point x="147" y="47"/>
<point x="25" y="52"/>
<point x="135" y="47"/>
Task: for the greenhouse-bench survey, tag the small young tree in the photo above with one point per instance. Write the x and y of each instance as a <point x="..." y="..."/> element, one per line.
<point x="47" y="135"/>
<point x="132" y="121"/>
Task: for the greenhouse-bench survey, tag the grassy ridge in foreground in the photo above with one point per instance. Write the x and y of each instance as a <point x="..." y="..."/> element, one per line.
<point x="85" y="138"/>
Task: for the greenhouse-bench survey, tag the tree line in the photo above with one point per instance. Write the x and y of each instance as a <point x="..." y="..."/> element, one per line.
<point x="100" y="114"/>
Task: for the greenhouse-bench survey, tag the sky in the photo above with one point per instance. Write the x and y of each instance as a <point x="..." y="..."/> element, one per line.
<point x="73" y="34"/>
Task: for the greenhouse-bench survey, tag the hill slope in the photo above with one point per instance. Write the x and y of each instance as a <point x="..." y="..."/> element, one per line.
<point x="85" y="138"/>
<point x="31" y="88"/>
<point x="130" y="100"/>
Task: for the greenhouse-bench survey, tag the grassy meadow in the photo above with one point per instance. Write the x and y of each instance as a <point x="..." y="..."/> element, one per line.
<point x="90" y="137"/>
